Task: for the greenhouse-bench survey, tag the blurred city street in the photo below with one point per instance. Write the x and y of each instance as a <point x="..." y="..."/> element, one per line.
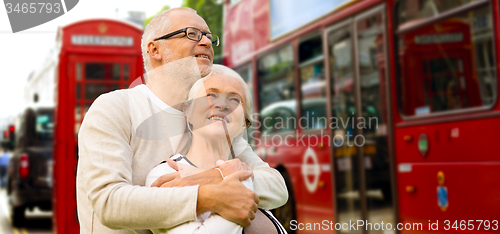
<point x="37" y="222"/>
<point x="379" y="113"/>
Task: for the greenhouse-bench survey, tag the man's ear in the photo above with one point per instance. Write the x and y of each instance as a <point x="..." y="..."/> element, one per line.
<point x="154" y="51"/>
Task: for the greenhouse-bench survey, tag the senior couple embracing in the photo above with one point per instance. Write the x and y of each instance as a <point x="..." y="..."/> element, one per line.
<point x="169" y="156"/>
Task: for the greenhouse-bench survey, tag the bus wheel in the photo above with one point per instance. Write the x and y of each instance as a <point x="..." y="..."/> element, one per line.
<point x="17" y="216"/>
<point x="286" y="213"/>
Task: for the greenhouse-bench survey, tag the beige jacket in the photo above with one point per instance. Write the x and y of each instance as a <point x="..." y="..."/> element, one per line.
<point x="123" y="136"/>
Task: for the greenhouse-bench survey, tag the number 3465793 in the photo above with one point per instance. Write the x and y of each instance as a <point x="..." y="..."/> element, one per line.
<point x="471" y="225"/>
<point x="33" y="8"/>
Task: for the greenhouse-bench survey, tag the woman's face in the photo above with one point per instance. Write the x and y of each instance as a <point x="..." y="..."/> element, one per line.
<point x="218" y="103"/>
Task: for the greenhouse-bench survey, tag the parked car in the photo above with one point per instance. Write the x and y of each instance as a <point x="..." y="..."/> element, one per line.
<point x="30" y="167"/>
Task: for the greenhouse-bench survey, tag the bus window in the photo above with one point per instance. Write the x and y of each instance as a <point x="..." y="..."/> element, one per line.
<point x="277" y="90"/>
<point x="279" y="118"/>
<point x="313" y="89"/>
<point x="448" y="65"/>
<point x="411" y="10"/>
<point x="245" y="72"/>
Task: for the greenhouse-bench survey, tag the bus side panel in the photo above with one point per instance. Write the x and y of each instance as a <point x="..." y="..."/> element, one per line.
<point x="449" y="191"/>
<point x="464" y="141"/>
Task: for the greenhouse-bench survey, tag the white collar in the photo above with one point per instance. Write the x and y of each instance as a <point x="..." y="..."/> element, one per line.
<point x="157" y="101"/>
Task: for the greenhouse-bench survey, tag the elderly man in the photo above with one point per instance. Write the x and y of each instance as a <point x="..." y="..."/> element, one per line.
<point x="128" y="132"/>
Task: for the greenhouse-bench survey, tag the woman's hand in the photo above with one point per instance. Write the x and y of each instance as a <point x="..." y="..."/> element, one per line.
<point x="186" y="170"/>
<point x="232" y="166"/>
<point x="188" y="175"/>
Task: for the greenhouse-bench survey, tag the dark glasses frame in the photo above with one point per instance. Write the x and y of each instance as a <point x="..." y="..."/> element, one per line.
<point x="215" y="39"/>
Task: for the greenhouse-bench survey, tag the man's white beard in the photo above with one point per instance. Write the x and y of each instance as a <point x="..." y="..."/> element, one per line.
<point x="205" y="70"/>
<point x="182" y="71"/>
<point x="179" y="75"/>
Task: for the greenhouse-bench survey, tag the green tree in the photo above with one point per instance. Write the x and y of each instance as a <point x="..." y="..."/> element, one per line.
<point x="211" y="11"/>
<point x="164" y="8"/>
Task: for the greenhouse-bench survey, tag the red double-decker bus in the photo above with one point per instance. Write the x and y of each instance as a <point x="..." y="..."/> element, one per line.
<point x="375" y="112"/>
<point x="90" y="57"/>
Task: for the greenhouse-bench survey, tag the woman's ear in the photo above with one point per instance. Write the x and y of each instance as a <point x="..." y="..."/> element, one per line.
<point x="248" y="123"/>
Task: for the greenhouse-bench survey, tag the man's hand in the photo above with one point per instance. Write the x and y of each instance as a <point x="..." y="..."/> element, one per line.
<point x="164" y="179"/>
<point x="230" y="199"/>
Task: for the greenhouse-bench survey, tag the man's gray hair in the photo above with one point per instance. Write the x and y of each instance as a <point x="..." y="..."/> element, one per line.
<point x="157" y="27"/>
<point x="223" y="70"/>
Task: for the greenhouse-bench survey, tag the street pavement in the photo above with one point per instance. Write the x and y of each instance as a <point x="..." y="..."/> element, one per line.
<point x="37" y="222"/>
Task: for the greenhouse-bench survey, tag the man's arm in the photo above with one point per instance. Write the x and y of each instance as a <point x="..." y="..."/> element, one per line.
<point x="228" y="197"/>
<point x="105" y="174"/>
<point x="216" y="223"/>
<point x="268" y="183"/>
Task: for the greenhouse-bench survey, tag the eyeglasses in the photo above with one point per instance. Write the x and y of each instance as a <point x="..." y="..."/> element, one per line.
<point x="193" y="34"/>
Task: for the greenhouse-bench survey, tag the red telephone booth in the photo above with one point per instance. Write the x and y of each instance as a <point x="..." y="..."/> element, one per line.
<point x="96" y="56"/>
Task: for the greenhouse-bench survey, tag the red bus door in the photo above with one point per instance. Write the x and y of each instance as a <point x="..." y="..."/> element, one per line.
<point x="361" y="135"/>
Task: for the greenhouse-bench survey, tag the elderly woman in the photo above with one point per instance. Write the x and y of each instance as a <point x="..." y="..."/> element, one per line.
<point x="218" y="111"/>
